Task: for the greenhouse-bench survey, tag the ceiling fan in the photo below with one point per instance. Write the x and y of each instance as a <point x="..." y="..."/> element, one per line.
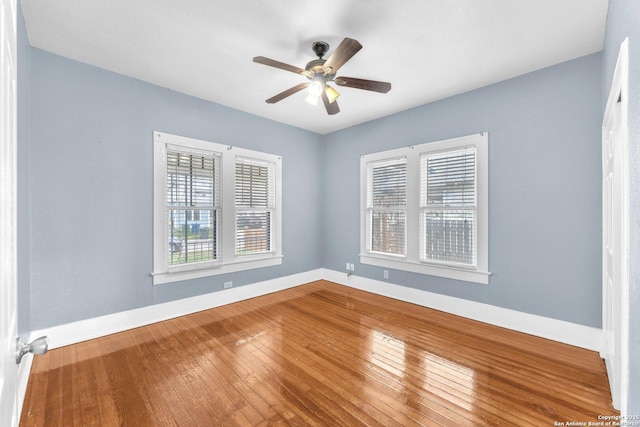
<point x="320" y="72"/>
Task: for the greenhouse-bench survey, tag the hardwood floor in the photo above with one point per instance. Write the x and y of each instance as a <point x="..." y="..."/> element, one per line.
<point x="319" y="354"/>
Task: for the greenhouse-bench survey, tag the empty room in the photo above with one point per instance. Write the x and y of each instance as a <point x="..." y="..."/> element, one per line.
<point x="339" y="213"/>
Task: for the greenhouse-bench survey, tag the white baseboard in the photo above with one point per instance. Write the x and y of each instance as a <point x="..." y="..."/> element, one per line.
<point x="71" y="333"/>
<point x="557" y="330"/>
<point x="87" y="329"/>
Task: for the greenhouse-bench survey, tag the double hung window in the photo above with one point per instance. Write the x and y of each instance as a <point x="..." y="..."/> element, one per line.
<point x="387" y="206"/>
<point x="425" y="208"/>
<point x="192" y="205"/>
<point x="255" y="206"/>
<point x="217" y="209"/>
<point x="448" y="207"/>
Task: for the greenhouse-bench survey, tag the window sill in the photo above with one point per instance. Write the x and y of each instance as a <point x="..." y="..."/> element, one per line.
<point x="474" y="276"/>
<point x="239" y="265"/>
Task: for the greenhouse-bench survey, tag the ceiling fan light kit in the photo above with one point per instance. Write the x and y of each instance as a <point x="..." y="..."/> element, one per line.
<point x="321" y="71"/>
<point x="332" y="94"/>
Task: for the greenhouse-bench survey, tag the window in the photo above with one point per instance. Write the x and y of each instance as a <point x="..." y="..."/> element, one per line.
<point x="425" y="208"/>
<point x="192" y="180"/>
<point x="387" y="206"/>
<point x="255" y="204"/>
<point x="216" y="209"/>
<point x="448" y="207"/>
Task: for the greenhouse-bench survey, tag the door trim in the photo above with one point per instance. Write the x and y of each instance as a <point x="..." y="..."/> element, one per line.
<point x="9" y="414"/>
<point x="617" y="99"/>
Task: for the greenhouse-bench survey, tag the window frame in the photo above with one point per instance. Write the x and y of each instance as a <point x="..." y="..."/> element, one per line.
<point x="228" y="261"/>
<point x="372" y="209"/>
<point x="412" y="262"/>
<point x="191" y="151"/>
<point x="244" y="209"/>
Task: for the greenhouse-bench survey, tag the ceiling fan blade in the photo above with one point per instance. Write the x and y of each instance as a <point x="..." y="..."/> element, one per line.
<point x="332" y="107"/>
<point x="281" y="65"/>
<point x="345" y="50"/>
<point x="288" y="92"/>
<point x="375" y="86"/>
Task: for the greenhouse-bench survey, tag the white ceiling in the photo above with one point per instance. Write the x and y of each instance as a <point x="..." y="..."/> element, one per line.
<point x="427" y="49"/>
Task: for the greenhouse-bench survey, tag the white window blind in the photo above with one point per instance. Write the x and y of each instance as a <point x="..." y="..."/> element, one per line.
<point x="255" y="204"/>
<point x="448" y="206"/>
<point x="425" y="208"/>
<point x="192" y="206"/>
<point x="216" y="209"/>
<point x="386" y="205"/>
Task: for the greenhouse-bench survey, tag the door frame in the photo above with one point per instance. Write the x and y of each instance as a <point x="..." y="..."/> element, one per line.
<point x="615" y="322"/>
<point x="9" y="408"/>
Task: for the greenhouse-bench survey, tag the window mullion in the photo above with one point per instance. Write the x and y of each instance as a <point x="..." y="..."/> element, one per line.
<point x="413" y="206"/>
<point x="228" y="214"/>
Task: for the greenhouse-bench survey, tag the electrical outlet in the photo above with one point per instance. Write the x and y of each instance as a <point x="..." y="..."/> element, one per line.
<point x="385" y="274"/>
<point x="227" y="285"/>
<point x="352" y="267"/>
<point x="348" y="267"/>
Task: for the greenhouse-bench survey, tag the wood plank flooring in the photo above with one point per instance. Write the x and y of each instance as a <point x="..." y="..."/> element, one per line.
<point x="319" y="354"/>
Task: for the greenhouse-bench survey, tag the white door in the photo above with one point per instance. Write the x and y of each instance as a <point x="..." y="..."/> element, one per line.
<point x="8" y="263"/>
<point x="615" y="234"/>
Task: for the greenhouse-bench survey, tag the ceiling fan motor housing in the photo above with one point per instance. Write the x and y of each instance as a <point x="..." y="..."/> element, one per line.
<point x="316" y="66"/>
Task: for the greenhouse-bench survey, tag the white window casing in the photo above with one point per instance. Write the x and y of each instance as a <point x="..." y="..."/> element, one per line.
<point x="207" y="198"/>
<point x="446" y="208"/>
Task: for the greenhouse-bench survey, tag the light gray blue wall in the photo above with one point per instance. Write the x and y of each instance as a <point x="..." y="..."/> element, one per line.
<point x="89" y="180"/>
<point x="544" y="189"/>
<point x="622" y="21"/>
<point x="90" y="172"/>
